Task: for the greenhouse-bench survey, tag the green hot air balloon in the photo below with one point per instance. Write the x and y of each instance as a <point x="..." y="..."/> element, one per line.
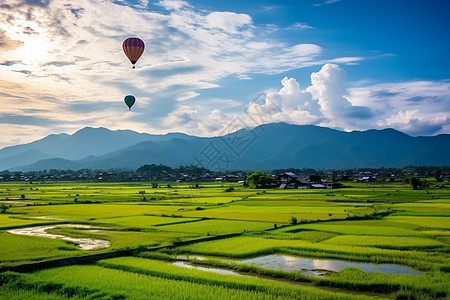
<point x="129" y="101"/>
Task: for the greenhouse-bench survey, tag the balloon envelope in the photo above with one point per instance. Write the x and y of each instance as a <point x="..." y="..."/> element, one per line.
<point x="129" y="101"/>
<point x="133" y="48"/>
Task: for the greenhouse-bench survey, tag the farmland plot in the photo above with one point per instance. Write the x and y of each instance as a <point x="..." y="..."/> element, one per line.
<point x="388" y="224"/>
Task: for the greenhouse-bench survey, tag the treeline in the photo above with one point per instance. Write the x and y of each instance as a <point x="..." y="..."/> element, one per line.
<point x="192" y="173"/>
<point x="155" y="172"/>
<point x="152" y="172"/>
<point x="426" y="171"/>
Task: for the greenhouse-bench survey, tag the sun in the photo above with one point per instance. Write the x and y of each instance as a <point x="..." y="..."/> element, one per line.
<point x="33" y="42"/>
<point x="34" y="50"/>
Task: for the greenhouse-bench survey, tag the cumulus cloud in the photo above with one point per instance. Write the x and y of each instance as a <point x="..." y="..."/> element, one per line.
<point x="415" y="123"/>
<point x="322" y="103"/>
<point x="72" y="51"/>
<point x="289" y="104"/>
<point x="416" y="108"/>
<point x="329" y="90"/>
<point x="63" y="60"/>
<point x="181" y="116"/>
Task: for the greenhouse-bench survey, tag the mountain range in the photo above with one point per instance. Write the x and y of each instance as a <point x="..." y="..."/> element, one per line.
<point x="265" y="147"/>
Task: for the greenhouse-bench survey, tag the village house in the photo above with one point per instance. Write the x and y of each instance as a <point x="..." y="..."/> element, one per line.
<point x="288" y="180"/>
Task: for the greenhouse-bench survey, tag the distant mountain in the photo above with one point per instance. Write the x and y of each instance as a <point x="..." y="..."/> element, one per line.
<point x="269" y="146"/>
<point x="174" y="152"/>
<point x="22" y="158"/>
<point x="85" y="142"/>
<point x="52" y="163"/>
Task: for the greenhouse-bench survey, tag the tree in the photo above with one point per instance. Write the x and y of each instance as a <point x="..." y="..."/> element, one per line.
<point x="438" y="175"/>
<point x="3" y="208"/>
<point x="418" y="184"/>
<point x="333" y="176"/>
<point x="258" y="179"/>
<point x="154" y="172"/>
<point x="315" y="178"/>
<point x="415" y="182"/>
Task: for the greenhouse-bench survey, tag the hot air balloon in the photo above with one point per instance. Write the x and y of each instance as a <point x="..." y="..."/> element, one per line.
<point x="129" y="101"/>
<point x="133" y="48"/>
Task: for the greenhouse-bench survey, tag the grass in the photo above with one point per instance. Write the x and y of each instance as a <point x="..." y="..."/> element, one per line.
<point x="433" y="285"/>
<point x="137" y="216"/>
<point x="12" y="292"/>
<point x="141" y="222"/>
<point x="216" y="227"/>
<point x="364" y="227"/>
<point x="16" y="249"/>
<point x="387" y="242"/>
<point x="251" y="246"/>
<point x="167" y="270"/>
<point x="12" y="221"/>
<point x="145" y="286"/>
<point x="423" y="222"/>
<point x="127" y="239"/>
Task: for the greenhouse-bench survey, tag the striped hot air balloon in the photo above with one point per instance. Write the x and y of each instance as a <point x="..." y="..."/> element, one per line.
<point x="133" y="48"/>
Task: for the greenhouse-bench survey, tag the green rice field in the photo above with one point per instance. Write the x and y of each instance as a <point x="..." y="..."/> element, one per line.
<point x="80" y="240"/>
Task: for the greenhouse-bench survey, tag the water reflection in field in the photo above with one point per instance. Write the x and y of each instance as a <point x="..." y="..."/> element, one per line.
<point x="214" y="270"/>
<point x="83" y="243"/>
<point x="316" y="267"/>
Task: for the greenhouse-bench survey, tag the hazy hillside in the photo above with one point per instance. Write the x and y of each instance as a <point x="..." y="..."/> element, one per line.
<point x="85" y="142"/>
<point x="268" y="146"/>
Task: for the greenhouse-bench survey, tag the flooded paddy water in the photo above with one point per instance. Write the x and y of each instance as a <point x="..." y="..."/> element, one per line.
<point x="320" y="267"/>
<point x="187" y="265"/>
<point x="307" y="266"/>
<point x="83" y="243"/>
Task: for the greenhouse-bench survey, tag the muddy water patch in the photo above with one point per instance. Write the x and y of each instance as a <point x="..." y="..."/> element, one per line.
<point x="320" y="267"/>
<point x="83" y="243"/>
<point x="186" y="265"/>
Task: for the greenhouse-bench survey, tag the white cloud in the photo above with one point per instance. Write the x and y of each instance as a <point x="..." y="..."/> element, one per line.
<point x="326" y="2"/>
<point x="415" y="123"/>
<point x="299" y="26"/>
<point x="290" y="104"/>
<point x="62" y="61"/>
<point x="305" y="50"/>
<point x="416" y="108"/>
<point x="76" y="55"/>
<point x="215" y="122"/>
<point x="173" y="4"/>
<point x="328" y="87"/>
<point x="228" y="21"/>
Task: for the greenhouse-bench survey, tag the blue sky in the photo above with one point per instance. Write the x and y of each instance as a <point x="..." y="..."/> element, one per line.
<point x="211" y="67"/>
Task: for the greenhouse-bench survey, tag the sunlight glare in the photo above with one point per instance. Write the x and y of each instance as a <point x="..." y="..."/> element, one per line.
<point x="35" y="49"/>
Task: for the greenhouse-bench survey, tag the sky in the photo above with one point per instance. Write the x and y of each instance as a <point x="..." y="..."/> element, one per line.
<point x="211" y="67"/>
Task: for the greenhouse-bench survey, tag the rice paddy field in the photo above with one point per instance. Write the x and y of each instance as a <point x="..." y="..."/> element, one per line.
<point x="79" y="240"/>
